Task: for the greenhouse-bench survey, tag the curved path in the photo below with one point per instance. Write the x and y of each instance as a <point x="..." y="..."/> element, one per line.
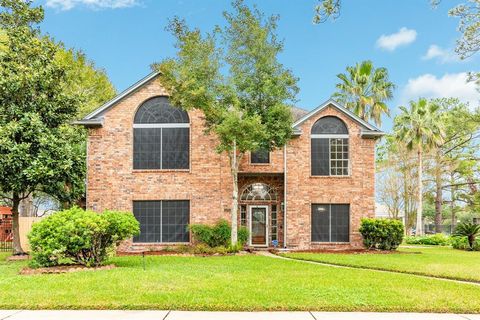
<point x="327" y="264"/>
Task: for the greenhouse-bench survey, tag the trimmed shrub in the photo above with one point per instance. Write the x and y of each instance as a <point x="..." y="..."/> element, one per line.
<point x="461" y="243"/>
<point x="84" y="237"/>
<point x="384" y="234"/>
<point x="242" y="235"/>
<point x="438" y="239"/>
<point x="217" y="235"/>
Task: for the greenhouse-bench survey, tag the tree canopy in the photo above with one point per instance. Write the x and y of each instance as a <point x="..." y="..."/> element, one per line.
<point x="38" y="150"/>
<point x="233" y="76"/>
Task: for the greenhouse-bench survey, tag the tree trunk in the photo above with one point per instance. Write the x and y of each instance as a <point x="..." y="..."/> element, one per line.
<point x="438" y="198"/>
<point x="419" y="228"/>
<point x="17" y="248"/>
<point x="452" y="204"/>
<point x="406" y="215"/>
<point x="234" y="209"/>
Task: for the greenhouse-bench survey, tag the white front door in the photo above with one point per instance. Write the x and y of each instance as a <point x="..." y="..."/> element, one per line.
<point x="258" y="225"/>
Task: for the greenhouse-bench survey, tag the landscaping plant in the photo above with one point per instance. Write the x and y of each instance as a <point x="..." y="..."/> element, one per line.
<point x="383" y="234"/>
<point x="84" y="237"/>
<point x="468" y="230"/>
<point x="438" y="239"/>
<point x="218" y="235"/>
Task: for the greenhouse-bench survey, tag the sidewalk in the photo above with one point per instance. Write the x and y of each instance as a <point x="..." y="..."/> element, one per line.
<point x="184" y="315"/>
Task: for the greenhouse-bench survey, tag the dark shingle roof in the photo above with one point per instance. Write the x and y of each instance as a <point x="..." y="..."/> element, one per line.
<point x="298" y="113"/>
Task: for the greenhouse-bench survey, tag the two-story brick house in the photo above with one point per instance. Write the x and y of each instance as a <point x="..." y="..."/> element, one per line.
<point x="151" y="158"/>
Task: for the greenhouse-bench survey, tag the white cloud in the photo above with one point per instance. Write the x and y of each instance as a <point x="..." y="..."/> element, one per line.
<point x="403" y="37"/>
<point x="453" y="85"/>
<point x="442" y="55"/>
<point x="93" y="4"/>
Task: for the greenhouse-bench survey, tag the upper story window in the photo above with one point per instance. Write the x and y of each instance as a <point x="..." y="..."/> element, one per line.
<point x="161" y="136"/>
<point x="261" y="156"/>
<point x="329" y="147"/>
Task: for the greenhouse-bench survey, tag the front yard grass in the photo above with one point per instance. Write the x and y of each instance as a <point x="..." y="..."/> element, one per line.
<point x="231" y="283"/>
<point x="433" y="261"/>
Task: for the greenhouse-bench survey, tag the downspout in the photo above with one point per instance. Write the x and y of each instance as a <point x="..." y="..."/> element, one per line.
<point x="285" y="196"/>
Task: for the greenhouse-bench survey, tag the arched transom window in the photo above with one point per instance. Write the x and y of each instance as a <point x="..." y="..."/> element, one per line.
<point x="161" y="136"/>
<point x="258" y="192"/>
<point x="329" y="147"/>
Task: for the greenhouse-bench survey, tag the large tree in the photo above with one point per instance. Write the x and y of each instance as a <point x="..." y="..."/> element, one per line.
<point x="455" y="155"/>
<point x="37" y="149"/>
<point x="420" y="128"/>
<point x="365" y="90"/>
<point x="234" y="77"/>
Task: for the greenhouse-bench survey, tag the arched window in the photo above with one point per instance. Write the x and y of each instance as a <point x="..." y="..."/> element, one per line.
<point x="329" y="147"/>
<point x="161" y="136"/>
<point x="258" y="192"/>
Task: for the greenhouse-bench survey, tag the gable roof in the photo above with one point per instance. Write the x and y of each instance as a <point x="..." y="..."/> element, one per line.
<point x="95" y="118"/>
<point x="368" y="130"/>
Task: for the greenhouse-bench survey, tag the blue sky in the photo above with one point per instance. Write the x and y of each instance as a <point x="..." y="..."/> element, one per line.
<point x="412" y="40"/>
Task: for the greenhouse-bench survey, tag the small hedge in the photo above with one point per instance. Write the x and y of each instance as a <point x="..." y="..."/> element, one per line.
<point x="383" y="234"/>
<point x="84" y="237"/>
<point x="461" y="243"/>
<point x="217" y="235"/>
<point x="438" y="239"/>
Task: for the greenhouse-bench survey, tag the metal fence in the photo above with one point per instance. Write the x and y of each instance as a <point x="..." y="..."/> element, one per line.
<point x="6" y="235"/>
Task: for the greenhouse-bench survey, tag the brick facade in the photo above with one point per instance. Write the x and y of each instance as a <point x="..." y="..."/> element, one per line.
<point x="112" y="183"/>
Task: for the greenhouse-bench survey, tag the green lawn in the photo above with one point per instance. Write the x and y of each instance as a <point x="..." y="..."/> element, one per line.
<point x="231" y="283"/>
<point x="434" y="261"/>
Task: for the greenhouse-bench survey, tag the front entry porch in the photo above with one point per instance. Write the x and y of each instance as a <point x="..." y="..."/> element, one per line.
<point x="261" y="209"/>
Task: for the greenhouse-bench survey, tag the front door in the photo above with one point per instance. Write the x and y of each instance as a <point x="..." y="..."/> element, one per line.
<point x="258" y="225"/>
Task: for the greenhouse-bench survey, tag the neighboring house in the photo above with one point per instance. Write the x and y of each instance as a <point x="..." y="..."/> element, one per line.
<point x="5" y="224"/>
<point x="155" y="160"/>
<point x="382" y="212"/>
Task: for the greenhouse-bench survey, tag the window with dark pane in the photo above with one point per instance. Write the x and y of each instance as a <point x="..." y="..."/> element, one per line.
<point x="320" y="223"/>
<point x="274" y="224"/>
<point x="175" y="148"/>
<point x="329" y="125"/>
<point x="338" y="157"/>
<point x="243" y="215"/>
<point x="340" y="222"/>
<point x="162" y="221"/>
<point x="320" y="157"/>
<point x="329" y="147"/>
<point x="330" y="223"/>
<point x="260" y="156"/>
<point x="161" y="136"/>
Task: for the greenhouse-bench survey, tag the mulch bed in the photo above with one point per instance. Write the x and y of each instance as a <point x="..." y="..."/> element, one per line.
<point x="349" y="251"/>
<point x="174" y="253"/>
<point x="63" y="269"/>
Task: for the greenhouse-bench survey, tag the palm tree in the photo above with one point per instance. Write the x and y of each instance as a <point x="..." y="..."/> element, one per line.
<point x="364" y="90"/>
<point x="420" y="128"/>
<point x="469" y="230"/>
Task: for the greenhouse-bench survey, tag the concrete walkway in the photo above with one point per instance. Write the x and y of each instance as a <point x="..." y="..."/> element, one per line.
<point x="184" y="315"/>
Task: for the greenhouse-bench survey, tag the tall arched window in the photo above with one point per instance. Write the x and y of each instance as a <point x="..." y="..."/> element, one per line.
<point x="161" y="136"/>
<point x="329" y="147"/>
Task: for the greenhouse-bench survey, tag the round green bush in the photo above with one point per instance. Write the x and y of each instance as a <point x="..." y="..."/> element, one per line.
<point x="217" y="235"/>
<point x="85" y="237"/>
<point x="383" y="234"/>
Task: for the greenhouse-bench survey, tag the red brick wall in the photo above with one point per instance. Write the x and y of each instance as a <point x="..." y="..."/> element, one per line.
<point x="304" y="189"/>
<point x="113" y="184"/>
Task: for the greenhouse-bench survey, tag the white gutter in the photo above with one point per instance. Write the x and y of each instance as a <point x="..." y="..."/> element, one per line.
<point x="285" y="196"/>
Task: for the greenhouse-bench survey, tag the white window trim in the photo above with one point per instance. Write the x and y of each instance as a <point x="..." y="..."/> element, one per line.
<point x="161" y="125"/>
<point x="330" y="136"/>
